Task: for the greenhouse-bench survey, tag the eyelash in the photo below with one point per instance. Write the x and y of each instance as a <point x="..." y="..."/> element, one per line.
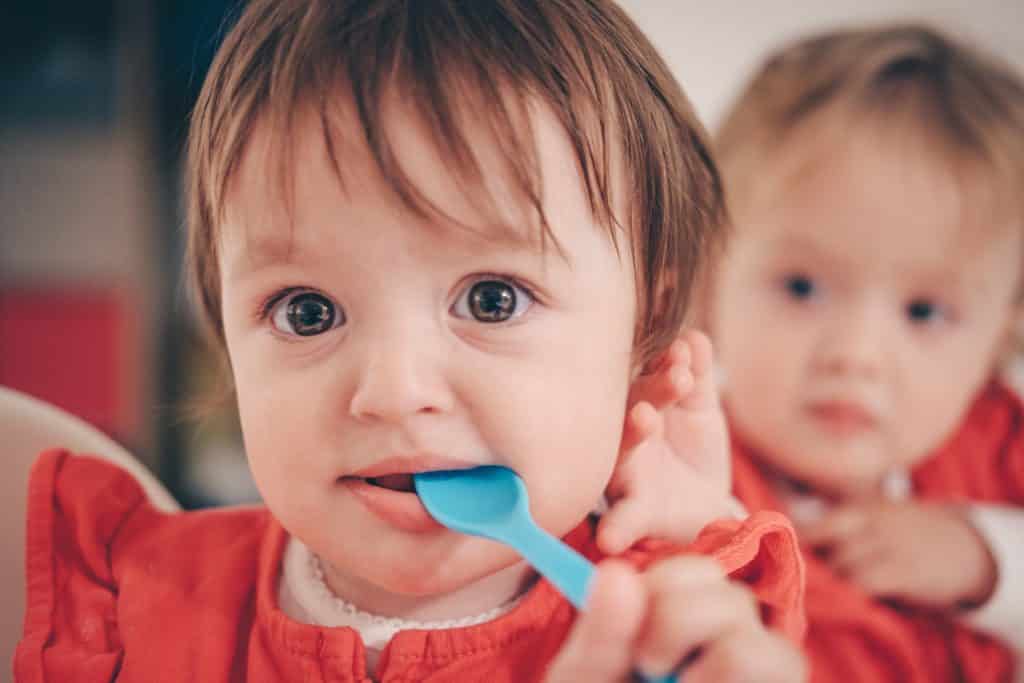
<point x="501" y="277"/>
<point x="267" y="305"/>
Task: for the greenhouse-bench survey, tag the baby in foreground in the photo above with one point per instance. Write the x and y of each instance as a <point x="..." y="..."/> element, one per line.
<point x="429" y="235"/>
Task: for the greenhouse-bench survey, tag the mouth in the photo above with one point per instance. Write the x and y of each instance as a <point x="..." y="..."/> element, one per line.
<point x="395" y="473"/>
<point x="401" y="483"/>
<point x="386" y="489"/>
<point x="843" y="417"/>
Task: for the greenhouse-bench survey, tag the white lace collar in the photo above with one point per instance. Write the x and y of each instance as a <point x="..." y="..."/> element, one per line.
<point x="305" y="597"/>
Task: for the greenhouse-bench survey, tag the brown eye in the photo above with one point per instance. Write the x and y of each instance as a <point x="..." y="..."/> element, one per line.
<point x="492" y="301"/>
<point x="306" y="314"/>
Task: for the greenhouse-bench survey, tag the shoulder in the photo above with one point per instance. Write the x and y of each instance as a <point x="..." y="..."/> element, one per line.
<point x="96" y="547"/>
<point x="984" y="458"/>
<point x="87" y="504"/>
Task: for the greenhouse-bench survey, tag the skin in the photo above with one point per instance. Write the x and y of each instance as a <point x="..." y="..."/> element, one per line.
<point x="411" y="371"/>
<point x="867" y="298"/>
<point x="407" y="368"/>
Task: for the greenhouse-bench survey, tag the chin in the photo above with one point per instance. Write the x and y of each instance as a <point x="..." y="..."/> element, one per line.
<point x="424" y="578"/>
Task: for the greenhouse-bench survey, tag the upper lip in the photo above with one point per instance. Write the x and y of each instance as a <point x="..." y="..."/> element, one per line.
<point x="411" y="464"/>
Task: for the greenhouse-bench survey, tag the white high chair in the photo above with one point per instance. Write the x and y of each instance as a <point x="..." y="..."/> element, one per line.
<point x="27" y="427"/>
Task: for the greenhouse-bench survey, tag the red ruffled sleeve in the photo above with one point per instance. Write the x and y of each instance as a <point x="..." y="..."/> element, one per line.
<point x="76" y="507"/>
<point x="763" y="552"/>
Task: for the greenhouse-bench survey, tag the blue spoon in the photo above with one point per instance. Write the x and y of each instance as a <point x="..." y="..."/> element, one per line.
<point x="492" y="502"/>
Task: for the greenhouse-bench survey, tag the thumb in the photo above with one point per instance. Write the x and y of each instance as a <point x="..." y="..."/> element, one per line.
<point x="642" y="422"/>
<point x="624" y="524"/>
<point x="599" y="648"/>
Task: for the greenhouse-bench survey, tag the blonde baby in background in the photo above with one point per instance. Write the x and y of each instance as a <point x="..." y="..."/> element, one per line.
<point x="862" y="315"/>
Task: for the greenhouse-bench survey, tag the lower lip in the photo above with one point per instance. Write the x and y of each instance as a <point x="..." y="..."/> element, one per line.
<point x="400" y="509"/>
<point x="842" y="420"/>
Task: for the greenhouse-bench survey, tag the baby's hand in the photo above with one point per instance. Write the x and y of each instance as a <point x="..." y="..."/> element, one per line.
<point x="672" y="477"/>
<point x="680" y="611"/>
<point x="922" y="554"/>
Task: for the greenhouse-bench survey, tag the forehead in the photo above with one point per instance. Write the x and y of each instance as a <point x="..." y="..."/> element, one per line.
<point x="863" y="175"/>
<point x="322" y="168"/>
<point x="882" y="201"/>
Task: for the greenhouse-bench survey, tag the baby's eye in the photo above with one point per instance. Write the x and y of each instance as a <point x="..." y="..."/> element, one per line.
<point x="922" y="311"/>
<point x="800" y="286"/>
<point x="492" y="301"/>
<point x="305" y="314"/>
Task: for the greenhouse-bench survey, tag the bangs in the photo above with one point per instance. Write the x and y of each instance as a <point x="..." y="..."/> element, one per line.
<point x="457" y="82"/>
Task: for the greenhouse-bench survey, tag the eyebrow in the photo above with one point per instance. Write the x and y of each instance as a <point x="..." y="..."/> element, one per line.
<point x="276" y="249"/>
<point x="786" y="244"/>
<point x="256" y="253"/>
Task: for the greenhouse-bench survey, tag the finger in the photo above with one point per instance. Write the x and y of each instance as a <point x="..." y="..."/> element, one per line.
<point x="853" y="556"/>
<point x="881" y="578"/>
<point x="689" y="604"/>
<point x="628" y="520"/>
<point x="642" y="422"/>
<point x="677" y="353"/>
<point x="836" y="527"/>
<point x="701" y="352"/>
<point x="749" y="655"/>
<point x="703" y="393"/>
<point x="664" y="388"/>
<point x="599" y="646"/>
<point x="666" y="380"/>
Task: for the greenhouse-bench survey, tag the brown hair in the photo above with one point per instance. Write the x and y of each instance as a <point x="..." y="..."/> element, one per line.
<point x="455" y="59"/>
<point x="967" y="102"/>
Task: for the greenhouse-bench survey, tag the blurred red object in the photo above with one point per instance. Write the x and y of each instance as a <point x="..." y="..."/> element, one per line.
<point x="77" y="349"/>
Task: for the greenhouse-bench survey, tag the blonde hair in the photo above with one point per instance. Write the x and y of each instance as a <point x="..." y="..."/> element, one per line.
<point x="453" y="60"/>
<point x="967" y="102"/>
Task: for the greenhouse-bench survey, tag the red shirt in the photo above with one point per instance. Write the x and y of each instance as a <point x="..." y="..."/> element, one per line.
<point x="119" y="590"/>
<point x="853" y="637"/>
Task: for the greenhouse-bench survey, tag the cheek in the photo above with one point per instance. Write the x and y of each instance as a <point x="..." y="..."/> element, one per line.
<point x="936" y="398"/>
<point x="282" y="427"/>
<point x="760" y="353"/>
<point x="562" y="432"/>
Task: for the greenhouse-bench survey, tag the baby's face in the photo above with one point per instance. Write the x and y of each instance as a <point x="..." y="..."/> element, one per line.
<point x="862" y="306"/>
<point x="371" y="342"/>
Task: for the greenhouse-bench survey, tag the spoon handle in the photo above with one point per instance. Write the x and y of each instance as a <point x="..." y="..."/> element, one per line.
<point x="567" y="570"/>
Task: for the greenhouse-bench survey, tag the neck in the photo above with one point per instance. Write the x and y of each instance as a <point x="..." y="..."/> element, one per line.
<point x="477" y="597"/>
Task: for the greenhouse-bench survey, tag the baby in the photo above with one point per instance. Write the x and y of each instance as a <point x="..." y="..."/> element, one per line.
<point x="429" y="235"/>
<point x="862" y="314"/>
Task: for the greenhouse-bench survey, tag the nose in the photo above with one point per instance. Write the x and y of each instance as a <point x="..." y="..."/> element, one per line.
<point x="853" y="342"/>
<point x="398" y="376"/>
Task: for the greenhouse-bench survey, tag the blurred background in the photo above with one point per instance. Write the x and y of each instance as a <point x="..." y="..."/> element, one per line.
<point x="95" y="98"/>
